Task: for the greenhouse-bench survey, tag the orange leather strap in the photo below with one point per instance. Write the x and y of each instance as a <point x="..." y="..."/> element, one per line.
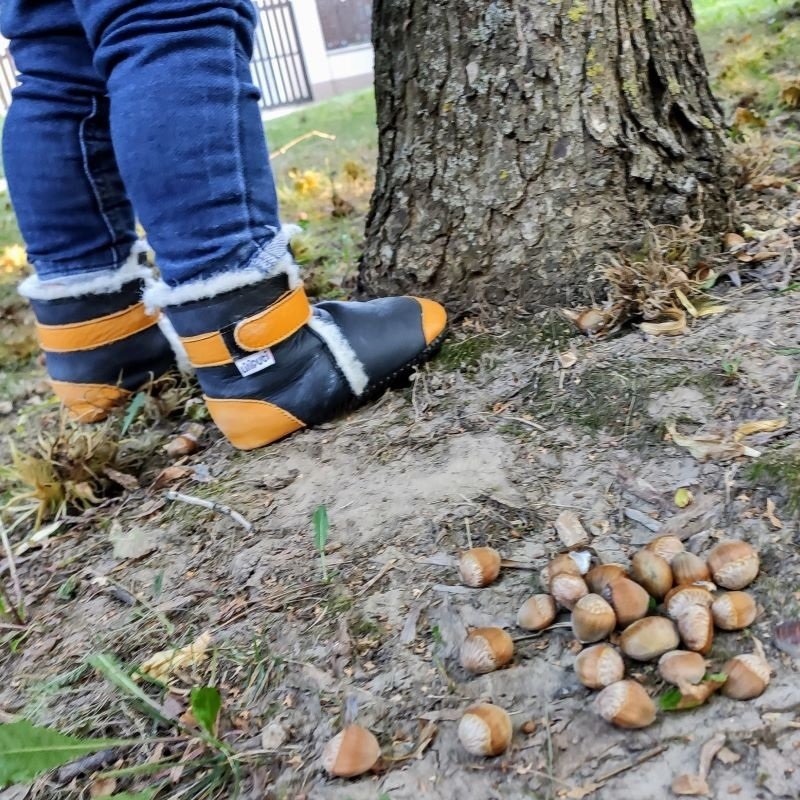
<point x="95" y="332"/>
<point x="276" y="323"/>
<point x="89" y="402"/>
<point x="207" y="350"/>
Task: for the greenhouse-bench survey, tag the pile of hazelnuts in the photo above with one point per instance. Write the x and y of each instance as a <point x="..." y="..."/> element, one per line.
<point x="666" y="598"/>
<point x="666" y="606"/>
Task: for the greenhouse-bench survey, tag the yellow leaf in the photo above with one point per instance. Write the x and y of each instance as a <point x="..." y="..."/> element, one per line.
<point x="685" y="302"/>
<point x="706" y="447"/>
<point x="13" y="257"/>
<point x="161" y="665"/>
<point x="672" y="327"/>
<point x="711" y="308"/>
<point x="757" y="426"/>
<point x="683" y="497"/>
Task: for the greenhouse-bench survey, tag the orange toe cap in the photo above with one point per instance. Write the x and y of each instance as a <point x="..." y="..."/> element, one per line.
<point x="434" y="318"/>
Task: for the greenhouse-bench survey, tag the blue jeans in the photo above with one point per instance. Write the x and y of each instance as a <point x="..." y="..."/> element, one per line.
<point x="138" y="108"/>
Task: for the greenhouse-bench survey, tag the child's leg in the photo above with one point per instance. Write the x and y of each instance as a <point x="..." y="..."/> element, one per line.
<point x="75" y="216"/>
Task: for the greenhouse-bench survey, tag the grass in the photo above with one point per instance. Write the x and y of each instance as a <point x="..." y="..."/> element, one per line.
<point x="715" y="15"/>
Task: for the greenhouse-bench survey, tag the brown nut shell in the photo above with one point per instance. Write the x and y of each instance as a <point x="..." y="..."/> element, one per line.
<point x="682" y="666"/>
<point x="537" y="612"/>
<point x="629" y="600"/>
<point x="479" y="566"/>
<point x="748" y="676"/>
<point x="652" y="572"/>
<point x="599" y="666"/>
<point x="733" y="563"/>
<point x="696" y="627"/>
<point x="626" y="704"/>
<point x="649" y="638"/>
<point x="592" y="619"/>
<point x="568" y="589"/>
<point x="352" y="752"/>
<point x="734" y="610"/>
<point x="689" y="568"/>
<point x="486" y="649"/>
<point x="682" y="597"/>
<point x="666" y="546"/>
<point x="597" y="578"/>
<point x="485" y="730"/>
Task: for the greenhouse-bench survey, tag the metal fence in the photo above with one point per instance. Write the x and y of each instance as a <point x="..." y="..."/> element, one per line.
<point x="278" y="66"/>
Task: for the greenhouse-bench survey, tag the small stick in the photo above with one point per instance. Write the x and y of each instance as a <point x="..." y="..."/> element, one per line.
<point x="289" y="145"/>
<point x="526" y="637"/>
<point x="469" y="533"/>
<point x="389" y="565"/>
<point x="12" y="571"/>
<point x="625" y="767"/>
<point x="211" y="506"/>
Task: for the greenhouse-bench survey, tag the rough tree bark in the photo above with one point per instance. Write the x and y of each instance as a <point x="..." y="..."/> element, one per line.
<point x="519" y="139"/>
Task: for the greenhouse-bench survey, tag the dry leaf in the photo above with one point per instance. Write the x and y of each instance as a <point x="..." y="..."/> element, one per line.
<point x="695" y="694"/>
<point x="692" y="785"/>
<point x="767" y="182"/>
<point x="704" y="448"/>
<point x="123" y="479"/>
<point x="170" y="475"/>
<point x="161" y="665"/>
<point x="570" y="530"/>
<point x="708" y="753"/>
<point x="770" y="515"/>
<point x="587" y="320"/>
<point x="683" y="497"/>
<point x="757" y="426"/>
<point x="567" y="359"/>
<point x="732" y="241"/>
<point x="672" y="327"/>
<point x="790" y="92"/>
<point x="744" y="117"/>
<point x="579" y="792"/>
<point x="685" y="302"/>
<point x="707" y="309"/>
<point x="727" y="756"/>
<point x="102" y="787"/>
<point x="13" y="257"/>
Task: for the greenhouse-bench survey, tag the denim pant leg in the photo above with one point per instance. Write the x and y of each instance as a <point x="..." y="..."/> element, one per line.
<point x="187" y="130"/>
<point x="62" y="173"/>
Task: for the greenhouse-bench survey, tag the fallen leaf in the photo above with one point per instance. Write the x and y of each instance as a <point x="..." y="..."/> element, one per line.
<point x="767" y="182"/>
<point x="691" y="785"/>
<point x="126" y="481"/>
<point x="708" y="447"/>
<point x="570" y="530"/>
<point x="567" y="359"/>
<point x="757" y="426"/>
<point x="770" y="514"/>
<point x="732" y="241"/>
<point x="590" y="321"/>
<point x="163" y="664"/>
<point x="685" y="302"/>
<point x="671" y="327"/>
<point x="690" y="695"/>
<point x="787" y="637"/>
<point x="707" y="309"/>
<point x="707" y="753"/>
<point x="727" y="756"/>
<point x="683" y="497"/>
<point x="579" y="792"/>
<point x="171" y="474"/>
<point x="744" y="117"/>
<point x="102" y="787"/>
<point x="790" y="92"/>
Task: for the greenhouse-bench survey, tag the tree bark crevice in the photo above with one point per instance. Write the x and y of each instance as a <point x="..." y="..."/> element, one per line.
<point x="520" y="139"/>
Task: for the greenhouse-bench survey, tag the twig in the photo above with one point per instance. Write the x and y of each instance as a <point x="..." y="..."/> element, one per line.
<point x="522" y="421"/>
<point x="389" y="565"/>
<point x="526" y="637"/>
<point x="211" y="506"/>
<point x="625" y="767"/>
<point x="469" y="533"/>
<point x="289" y="145"/>
<point x="12" y="571"/>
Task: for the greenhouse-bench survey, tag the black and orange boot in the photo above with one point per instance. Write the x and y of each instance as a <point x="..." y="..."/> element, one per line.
<point x="270" y="363"/>
<point x="100" y="343"/>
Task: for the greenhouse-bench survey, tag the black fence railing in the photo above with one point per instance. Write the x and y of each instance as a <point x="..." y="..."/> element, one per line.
<point x="279" y="68"/>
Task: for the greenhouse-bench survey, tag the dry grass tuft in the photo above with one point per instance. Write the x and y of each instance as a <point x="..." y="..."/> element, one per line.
<point x="656" y="285"/>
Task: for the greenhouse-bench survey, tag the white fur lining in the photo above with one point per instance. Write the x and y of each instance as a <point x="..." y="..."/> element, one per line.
<point x="171" y="335"/>
<point x="106" y="281"/>
<point x="272" y="260"/>
<point x="344" y="355"/>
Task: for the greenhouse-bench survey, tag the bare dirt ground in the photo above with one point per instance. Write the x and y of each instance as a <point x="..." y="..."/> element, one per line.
<point x="496" y="438"/>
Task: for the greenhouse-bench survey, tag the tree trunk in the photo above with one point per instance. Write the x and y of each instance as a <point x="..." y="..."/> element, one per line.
<point x="520" y="139"/>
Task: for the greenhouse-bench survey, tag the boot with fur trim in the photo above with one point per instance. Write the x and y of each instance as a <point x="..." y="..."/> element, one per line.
<point x="100" y="343"/>
<point x="271" y="364"/>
